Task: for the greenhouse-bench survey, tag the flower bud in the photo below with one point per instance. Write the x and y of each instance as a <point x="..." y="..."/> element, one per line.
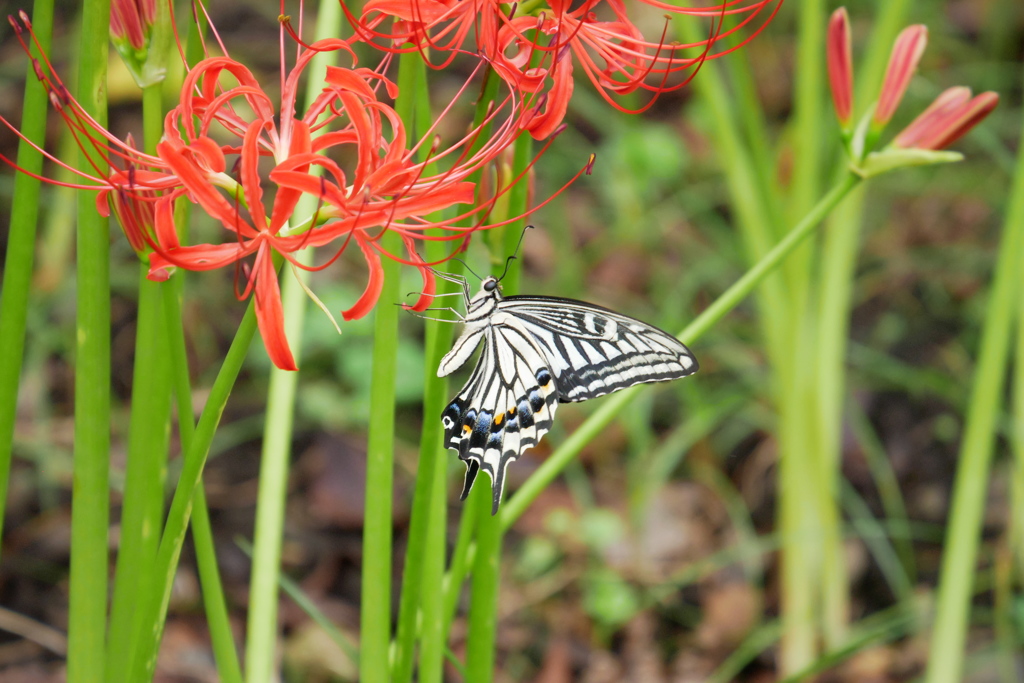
<point x="906" y="53"/>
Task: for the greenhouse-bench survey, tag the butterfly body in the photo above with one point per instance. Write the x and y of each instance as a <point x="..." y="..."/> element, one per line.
<point x="538" y="352"/>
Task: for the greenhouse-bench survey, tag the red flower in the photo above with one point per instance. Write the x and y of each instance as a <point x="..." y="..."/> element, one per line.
<point x="226" y="127"/>
<point x="532" y="51"/>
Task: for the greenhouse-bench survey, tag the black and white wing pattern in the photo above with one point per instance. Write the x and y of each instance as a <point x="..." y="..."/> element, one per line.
<point x="537" y="352"/>
<point x="593" y="351"/>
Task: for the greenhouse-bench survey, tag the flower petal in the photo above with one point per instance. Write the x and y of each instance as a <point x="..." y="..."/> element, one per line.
<point x="840" y="65"/>
<point x="250" y="173"/>
<point x="429" y="283"/>
<point x="957" y="123"/>
<point x="287" y="198"/>
<point x="374" y="285"/>
<point x="906" y="53"/>
<point x="270" y="312"/>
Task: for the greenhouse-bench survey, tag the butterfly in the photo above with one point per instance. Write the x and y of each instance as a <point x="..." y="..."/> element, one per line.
<point x="540" y="351"/>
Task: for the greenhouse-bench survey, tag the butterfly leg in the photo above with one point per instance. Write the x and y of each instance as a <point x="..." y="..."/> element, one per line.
<point x="459" y="316"/>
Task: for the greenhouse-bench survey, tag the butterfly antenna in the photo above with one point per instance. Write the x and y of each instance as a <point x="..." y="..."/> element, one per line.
<point x="466" y="266"/>
<point x="512" y="258"/>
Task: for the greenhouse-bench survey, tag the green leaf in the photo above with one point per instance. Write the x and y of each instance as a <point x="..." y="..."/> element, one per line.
<point x="892" y="158"/>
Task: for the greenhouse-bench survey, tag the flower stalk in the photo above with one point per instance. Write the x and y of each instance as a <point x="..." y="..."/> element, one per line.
<point x="21" y="245"/>
<point x="90" y="506"/>
<point x="963" y="533"/>
<point x="262" y="625"/>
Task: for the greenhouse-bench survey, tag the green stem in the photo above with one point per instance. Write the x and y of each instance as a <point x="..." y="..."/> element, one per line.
<point x="1017" y="443"/>
<point x="960" y="551"/>
<point x="459" y="566"/>
<point x="613" y="405"/>
<point x="158" y="593"/>
<point x="486" y="575"/>
<point x="831" y="325"/>
<point x="214" y="602"/>
<point x="262" y="628"/>
<point x="414" y="109"/>
<point x="142" y="509"/>
<point x="486" y="572"/>
<point x="425" y="554"/>
<point x="90" y="499"/>
<point x="143" y="506"/>
<point x="261" y="638"/>
<point x="375" y="610"/>
<point x="21" y="243"/>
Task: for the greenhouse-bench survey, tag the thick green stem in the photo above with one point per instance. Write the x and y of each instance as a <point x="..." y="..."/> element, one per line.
<point x="486" y="576"/>
<point x="261" y="640"/>
<point x="425" y="555"/>
<point x="614" y="404"/>
<point x="21" y="244"/>
<point x="262" y="628"/>
<point x="486" y="572"/>
<point x="1016" y="530"/>
<point x="158" y="590"/>
<point x="414" y="108"/>
<point x="214" y="602"/>
<point x="143" y="506"/>
<point x="90" y="497"/>
<point x="375" y="605"/>
<point x="829" y="339"/>
<point x="960" y="551"/>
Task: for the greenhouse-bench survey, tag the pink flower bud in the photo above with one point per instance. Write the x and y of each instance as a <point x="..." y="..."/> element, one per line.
<point x="947" y="119"/>
<point x="906" y="53"/>
<point x="131" y="21"/>
<point x="840" y="65"/>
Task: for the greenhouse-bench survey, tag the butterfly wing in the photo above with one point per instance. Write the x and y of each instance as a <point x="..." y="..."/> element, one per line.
<point x="593" y="351"/>
<point x="505" y="408"/>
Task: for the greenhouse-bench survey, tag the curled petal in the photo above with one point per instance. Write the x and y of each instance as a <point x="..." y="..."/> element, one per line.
<point x="429" y="282"/>
<point x="164" y="228"/>
<point x="547" y="116"/>
<point x="199" y="256"/>
<point x="270" y="312"/>
<point x="200" y="189"/>
<point x="349" y="80"/>
<point x="250" y="173"/>
<point x="210" y="152"/>
<point x="103" y="203"/>
<point x="374" y="285"/>
<point x="287" y="198"/>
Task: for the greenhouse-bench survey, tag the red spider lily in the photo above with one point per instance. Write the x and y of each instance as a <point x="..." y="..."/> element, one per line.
<point x="371" y="178"/>
<point x="607" y="44"/>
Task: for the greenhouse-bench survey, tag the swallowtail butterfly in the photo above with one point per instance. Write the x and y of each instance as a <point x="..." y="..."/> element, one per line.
<point x="538" y="352"/>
